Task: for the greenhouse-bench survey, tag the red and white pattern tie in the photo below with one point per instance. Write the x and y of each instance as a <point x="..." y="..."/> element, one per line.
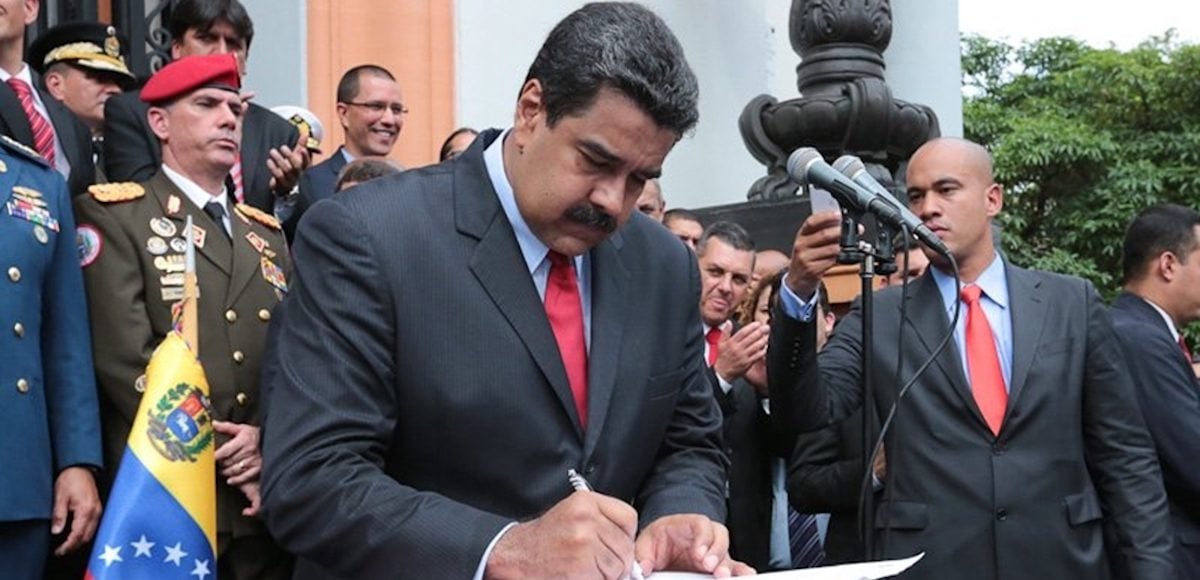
<point x="43" y="133"/>
<point x="235" y="173"/>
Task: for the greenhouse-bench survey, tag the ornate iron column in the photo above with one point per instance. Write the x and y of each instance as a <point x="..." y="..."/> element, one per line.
<point x="149" y="42"/>
<point x="845" y="105"/>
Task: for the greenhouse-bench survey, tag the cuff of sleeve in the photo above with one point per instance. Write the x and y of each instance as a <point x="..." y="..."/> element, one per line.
<point x="726" y="386"/>
<point x="795" y="307"/>
<point x="488" y="552"/>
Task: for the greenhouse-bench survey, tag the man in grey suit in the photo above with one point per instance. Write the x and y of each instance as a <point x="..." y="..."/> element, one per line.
<point x="1162" y="295"/>
<point x="431" y="435"/>
<point x="1023" y="441"/>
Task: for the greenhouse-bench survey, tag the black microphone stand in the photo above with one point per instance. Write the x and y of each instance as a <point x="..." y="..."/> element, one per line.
<point x="871" y="259"/>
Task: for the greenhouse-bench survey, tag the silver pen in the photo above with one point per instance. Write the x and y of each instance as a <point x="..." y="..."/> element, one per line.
<point x="581" y="484"/>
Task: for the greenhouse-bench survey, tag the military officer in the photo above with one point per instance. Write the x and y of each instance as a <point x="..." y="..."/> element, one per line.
<point x="49" y="419"/>
<point x="132" y="247"/>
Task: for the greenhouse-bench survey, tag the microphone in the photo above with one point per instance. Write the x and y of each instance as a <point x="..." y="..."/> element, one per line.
<point x="853" y="167"/>
<point x="806" y="166"/>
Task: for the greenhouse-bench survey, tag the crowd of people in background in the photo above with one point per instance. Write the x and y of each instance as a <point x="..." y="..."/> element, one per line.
<point x="1050" y="436"/>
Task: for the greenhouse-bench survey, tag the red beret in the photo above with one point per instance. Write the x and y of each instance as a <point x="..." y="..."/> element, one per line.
<point x="189" y="73"/>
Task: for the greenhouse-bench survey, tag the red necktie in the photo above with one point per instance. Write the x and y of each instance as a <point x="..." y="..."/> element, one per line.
<point x="983" y="363"/>
<point x="713" y="338"/>
<point x="43" y="134"/>
<point x="565" y="311"/>
<point x="235" y="173"/>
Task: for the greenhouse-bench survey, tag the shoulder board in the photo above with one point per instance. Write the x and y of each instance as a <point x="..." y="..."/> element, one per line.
<point x="21" y="150"/>
<point x="258" y="215"/>
<point x="114" y="192"/>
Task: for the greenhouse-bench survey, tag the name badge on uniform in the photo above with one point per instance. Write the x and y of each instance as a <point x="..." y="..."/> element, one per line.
<point x="273" y="275"/>
<point x="172" y="294"/>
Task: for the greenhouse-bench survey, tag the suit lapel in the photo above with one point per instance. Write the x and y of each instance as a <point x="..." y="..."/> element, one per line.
<point x="14" y="116"/>
<point x="252" y="160"/>
<point x="930" y="321"/>
<point x="1028" y="311"/>
<point x="499" y="267"/>
<point x="216" y="248"/>
<point x="64" y="129"/>
<point x="245" y="258"/>
<point x="610" y="289"/>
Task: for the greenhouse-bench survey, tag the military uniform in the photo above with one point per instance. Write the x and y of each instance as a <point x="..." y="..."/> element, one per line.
<point x="48" y="410"/>
<point x="132" y="246"/>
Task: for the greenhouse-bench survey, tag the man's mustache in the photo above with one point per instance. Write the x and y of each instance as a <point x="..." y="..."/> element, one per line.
<point x="588" y="215"/>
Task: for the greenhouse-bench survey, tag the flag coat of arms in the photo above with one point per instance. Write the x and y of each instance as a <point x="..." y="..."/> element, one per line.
<point x="161" y="517"/>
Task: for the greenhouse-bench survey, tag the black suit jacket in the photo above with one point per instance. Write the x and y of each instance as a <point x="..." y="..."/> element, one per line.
<point x="1170" y="398"/>
<point x="73" y="136"/>
<point x="1073" y="448"/>
<point x="417" y="399"/>
<point x="316" y="183"/>
<point x="748" y="444"/>
<point x="132" y="152"/>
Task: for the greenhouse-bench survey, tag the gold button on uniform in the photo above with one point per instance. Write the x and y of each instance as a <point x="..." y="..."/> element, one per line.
<point x="231" y="316"/>
<point x="242" y="399"/>
<point x="264" y="315"/>
<point x="19" y="329"/>
<point x="14" y="274"/>
<point x="22" y="386"/>
<point x="238" y="357"/>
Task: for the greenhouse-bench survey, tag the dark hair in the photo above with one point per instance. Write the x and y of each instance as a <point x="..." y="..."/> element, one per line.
<point x="203" y="14"/>
<point x="745" y="311"/>
<point x="681" y="214"/>
<point x="1162" y="228"/>
<point x="728" y="232"/>
<point x="620" y="46"/>
<point x="347" y="89"/>
<point x="364" y="169"/>
<point x="445" y="150"/>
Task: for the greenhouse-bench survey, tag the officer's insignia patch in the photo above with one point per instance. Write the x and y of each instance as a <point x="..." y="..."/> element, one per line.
<point x="256" y="241"/>
<point x="114" y="192"/>
<point x="258" y="216"/>
<point x="89" y="242"/>
<point x="181" y="423"/>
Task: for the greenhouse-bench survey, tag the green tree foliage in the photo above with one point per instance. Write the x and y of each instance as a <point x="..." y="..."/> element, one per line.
<point x="1083" y="139"/>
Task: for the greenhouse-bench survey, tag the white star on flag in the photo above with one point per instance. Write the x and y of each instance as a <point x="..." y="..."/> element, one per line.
<point x="111" y="554"/>
<point x="142" y="546"/>
<point x="175" y="554"/>
<point x="201" y="569"/>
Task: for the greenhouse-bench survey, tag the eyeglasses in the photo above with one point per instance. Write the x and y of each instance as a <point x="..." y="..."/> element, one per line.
<point x="378" y="107"/>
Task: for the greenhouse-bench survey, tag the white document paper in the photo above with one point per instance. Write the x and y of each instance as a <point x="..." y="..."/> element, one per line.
<point x="861" y="571"/>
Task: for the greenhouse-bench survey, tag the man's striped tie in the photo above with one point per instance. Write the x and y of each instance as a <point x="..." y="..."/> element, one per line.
<point x="804" y="540"/>
<point x="43" y="133"/>
<point x="235" y="173"/>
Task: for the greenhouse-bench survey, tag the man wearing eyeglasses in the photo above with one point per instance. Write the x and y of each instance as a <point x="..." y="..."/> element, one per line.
<point x="371" y="109"/>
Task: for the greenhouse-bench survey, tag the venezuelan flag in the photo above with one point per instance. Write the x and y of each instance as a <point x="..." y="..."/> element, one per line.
<point x="160" y="521"/>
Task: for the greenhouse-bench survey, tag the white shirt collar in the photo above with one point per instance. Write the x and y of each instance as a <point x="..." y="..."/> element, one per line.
<point x="194" y="192"/>
<point x="532" y="249"/>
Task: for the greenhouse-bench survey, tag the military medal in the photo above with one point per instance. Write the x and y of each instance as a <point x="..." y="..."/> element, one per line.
<point x="162" y="226"/>
<point x="156" y="245"/>
<point x="173" y="204"/>
<point x="172" y="294"/>
<point x="89" y="243"/>
<point x="40" y="233"/>
<point x="178" y="245"/>
<point x="172" y="279"/>
<point x="273" y="275"/>
<point x="170" y="263"/>
<point x="30" y="196"/>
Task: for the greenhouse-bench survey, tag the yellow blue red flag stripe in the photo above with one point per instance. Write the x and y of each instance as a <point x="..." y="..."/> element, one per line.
<point x="160" y="521"/>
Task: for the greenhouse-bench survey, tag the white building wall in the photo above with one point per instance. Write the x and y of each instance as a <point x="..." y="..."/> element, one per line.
<point x="278" y="62"/>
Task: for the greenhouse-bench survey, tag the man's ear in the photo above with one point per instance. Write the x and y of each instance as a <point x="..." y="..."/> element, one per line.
<point x="530" y="113"/>
<point x="159" y="122"/>
<point x="54" y="81"/>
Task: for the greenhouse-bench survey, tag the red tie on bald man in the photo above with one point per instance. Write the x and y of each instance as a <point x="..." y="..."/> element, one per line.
<point x="564" y="308"/>
<point x="983" y="363"/>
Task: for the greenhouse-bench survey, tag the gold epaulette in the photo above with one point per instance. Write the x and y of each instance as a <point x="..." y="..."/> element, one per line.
<point x="259" y="216"/>
<point x="114" y="192"/>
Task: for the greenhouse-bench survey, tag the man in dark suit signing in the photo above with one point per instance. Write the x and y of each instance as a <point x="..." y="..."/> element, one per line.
<point x="1162" y="295"/>
<point x="431" y="435"/>
<point x="1024" y="440"/>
